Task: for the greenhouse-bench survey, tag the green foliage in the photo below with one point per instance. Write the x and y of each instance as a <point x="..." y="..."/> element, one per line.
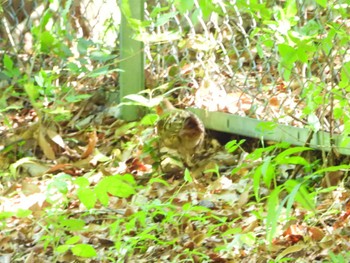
<point x="116" y="185"/>
<point x="342" y="257"/>
<point x="80" y="250"/>
<point x="233" y="145"/>
<point x="291" y="191"/>
<point x="148" y="221"/>
<point x="267" y="171"/>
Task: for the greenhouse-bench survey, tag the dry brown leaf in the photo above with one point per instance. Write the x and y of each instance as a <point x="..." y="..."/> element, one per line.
<point x="91" y="145"/>
<point x="316" y="233"/>
<point x="243" y="198"/>
<point x="29" y="188"/>
<point x="291" y="249"/>
<point x="274" y="102"/>
<point x="56" y="138"/>
<point x="30" y="258"/>
<point x="45" y="145"/>
<point x="60" y="167"/>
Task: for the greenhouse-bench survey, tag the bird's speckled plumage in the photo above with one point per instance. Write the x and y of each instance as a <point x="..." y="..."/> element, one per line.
<point x="180" y="130"/>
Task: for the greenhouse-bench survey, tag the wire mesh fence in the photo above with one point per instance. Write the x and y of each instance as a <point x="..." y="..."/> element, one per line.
<point x="281" y="61"/>
<point x="92" y="19"/>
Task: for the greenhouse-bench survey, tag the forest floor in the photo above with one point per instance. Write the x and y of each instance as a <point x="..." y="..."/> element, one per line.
<point x="97" y="189"/>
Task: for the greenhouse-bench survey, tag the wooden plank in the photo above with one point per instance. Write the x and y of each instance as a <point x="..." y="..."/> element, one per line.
<point x="225" y="122"/>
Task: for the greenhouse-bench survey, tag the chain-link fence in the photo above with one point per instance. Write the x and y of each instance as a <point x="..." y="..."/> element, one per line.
<point x="283" y="61"/>
<point x="97" y="20"/>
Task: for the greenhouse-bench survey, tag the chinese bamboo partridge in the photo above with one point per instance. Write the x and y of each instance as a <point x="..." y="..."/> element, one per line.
<point x="180" y="130"/>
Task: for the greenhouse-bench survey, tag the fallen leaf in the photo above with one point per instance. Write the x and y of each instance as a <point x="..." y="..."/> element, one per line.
<point x="45" y="145"/>
<point x="91" y="145"/>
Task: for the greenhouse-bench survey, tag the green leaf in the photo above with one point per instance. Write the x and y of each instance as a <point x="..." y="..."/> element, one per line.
<point x="248" y="238"/>
<point x="268" y="171"/>
<point x="288" y="53"/>
<point x="87" y="197"/>
<point x="45" y="18"/>
<point x="62" y="248"/>
<point x="289" y="152"/>
<point x="273" y="213"/>
<point x="104" y="70"/>
<point x="322" y="3"/>
<point x="207" y="8"/>
<point x="32" y="91"/>
<point x="83" y="46"/>
<point x="22" y="213"/>
<point x="345" y="75"/>
<point x="47" y="42"/>
<point x="333" y="169"/>
<point x="165" y="18"/>
<point x="8" y="63"/>
<point x="84" y="250"/>
<point x="294" y="160"/>
<point x="101" y="56"/>
<point x="82" y="182"/>
<point x="150" y="119"/>
<point x="187" y="177"/>
<point x="5" y="215"/>
<point x="73" y="240"/>
<point x="184" y="5"/>
<point x="291" y="9"/>
<point x="72" y="224"/>
<point x="232" y="146"/>
<point x="58" y="185"/>
<point x="302" y="196"/>
<point x="256" y="183"/>
<point x="116" y="185"/>
<point x="264" y="127"/>
<point x="291" y="199"/>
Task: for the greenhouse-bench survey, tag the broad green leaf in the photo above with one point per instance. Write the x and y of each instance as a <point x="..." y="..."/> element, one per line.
<point x="288" y="53"/>
<point x="232" y="146"/>
<point x="322" y="3"/>
<point x="8" y="63"/>
<point x="5" y="215"/>
<point x="84" y="250"/>
<point x="72" y="224"/>
<point x="72" y="240"/>
<point x="289" y="152"/>
<point x="62" y="248"/>
<point x="116" y="185"/>
<point x="150" y="119"/>
<point x="291" y="9"/>
<point x="32" y="91"/>
<point x="87" y="197"/>
<point x="47" y="41"/>
<point x="207" y="8"/>
<point x="302" y="196"/>
<point x="82" y="182"/>
<point x="266" y="127"/>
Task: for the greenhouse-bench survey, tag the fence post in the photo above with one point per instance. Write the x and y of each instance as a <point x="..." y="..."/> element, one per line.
<point x="131" y="79"/>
